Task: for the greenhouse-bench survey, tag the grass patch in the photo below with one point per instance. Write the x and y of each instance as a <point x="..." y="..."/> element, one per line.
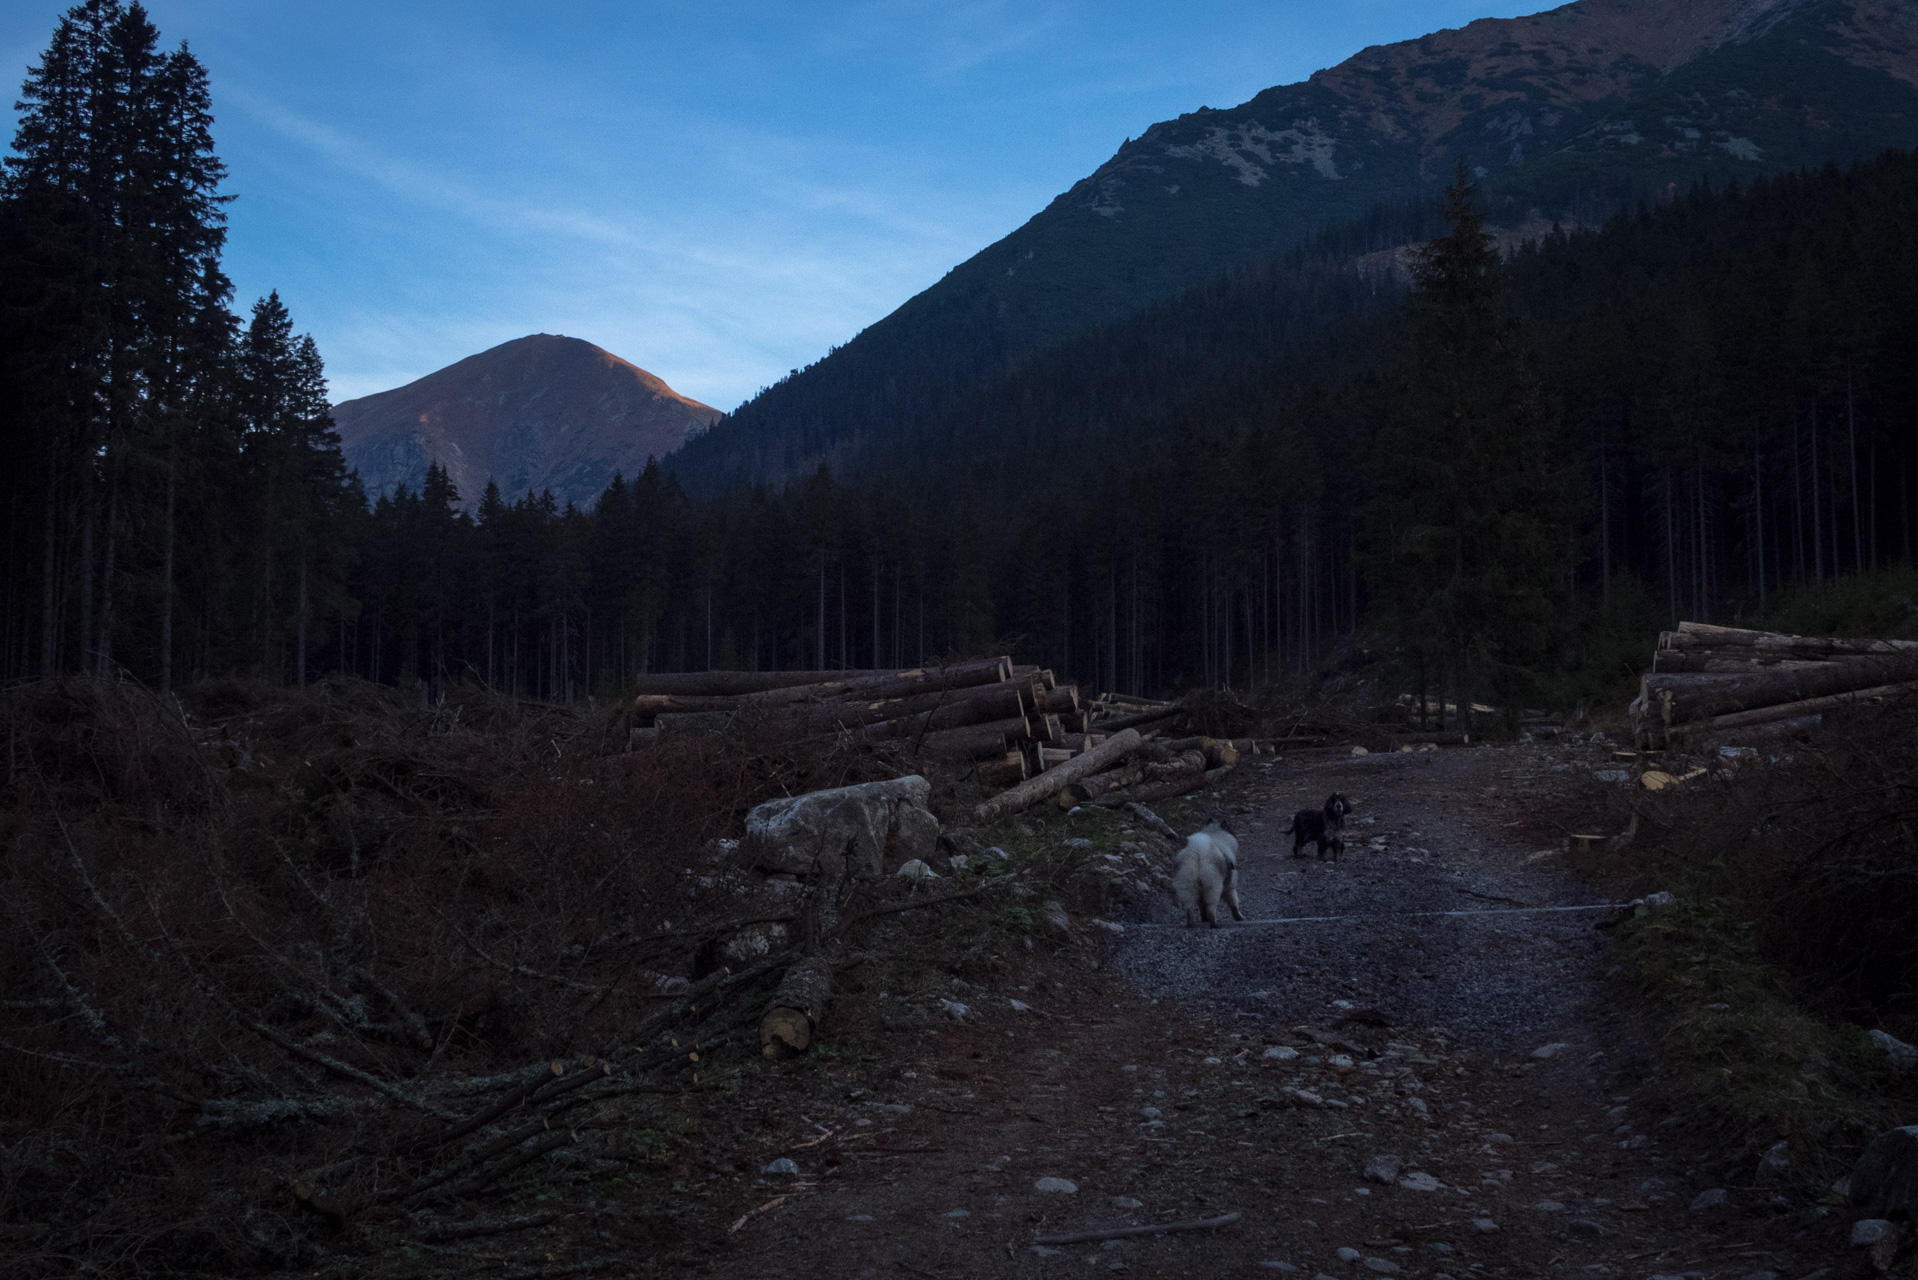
<point x="1743" y="1048"/>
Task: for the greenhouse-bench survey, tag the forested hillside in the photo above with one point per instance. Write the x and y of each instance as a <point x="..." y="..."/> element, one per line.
<point x="1511" y="467"/>
<point x="1569" y="113"/>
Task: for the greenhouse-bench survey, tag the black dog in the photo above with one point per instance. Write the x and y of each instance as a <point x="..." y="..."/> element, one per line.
<point x="1323" y="827"/>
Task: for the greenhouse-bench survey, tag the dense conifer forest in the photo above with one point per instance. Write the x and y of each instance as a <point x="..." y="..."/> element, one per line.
<point x="1514" y="465"/>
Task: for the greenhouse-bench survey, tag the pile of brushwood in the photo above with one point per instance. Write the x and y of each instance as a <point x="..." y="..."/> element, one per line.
<point x="290" y="972"/>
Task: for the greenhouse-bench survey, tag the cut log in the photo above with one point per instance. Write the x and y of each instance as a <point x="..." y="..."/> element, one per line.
<point x="1000" y="774"/>
<point x="1666" y="700"/>
<point x="1061" y="700"/>
<point x="1033" y="790"/>
<point x="733" y="684"/>
<point x="974" y="741"/>
<point x="1137" y="719"/>
<point x="1099" y="784"/>
<point x="798" y="1007"/>
<point x="1723" y="661"/>
<point x="1794" y="710"/>
<point x="1047" y="729"/>
<point x="948" y="709"/>
<point x="1052" y="757"/>
<point x="1705" y="636"/>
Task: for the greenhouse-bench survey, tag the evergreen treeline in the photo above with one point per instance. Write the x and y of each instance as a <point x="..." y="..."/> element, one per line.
<point x="1682" y="413"/>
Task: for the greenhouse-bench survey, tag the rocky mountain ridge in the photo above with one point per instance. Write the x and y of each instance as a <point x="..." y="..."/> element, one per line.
<point x="541" y="412"/>
<point x="1568" y="113"/>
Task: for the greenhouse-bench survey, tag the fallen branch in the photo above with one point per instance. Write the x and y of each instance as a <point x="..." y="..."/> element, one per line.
<point x="1123" y="1233"/>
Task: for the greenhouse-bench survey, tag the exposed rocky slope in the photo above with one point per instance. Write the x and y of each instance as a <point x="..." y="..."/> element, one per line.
<point x="540" y="412"/>
<point x="1568" y="112"/>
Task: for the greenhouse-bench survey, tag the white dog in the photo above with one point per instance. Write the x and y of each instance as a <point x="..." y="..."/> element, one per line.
<point x="1206" y="872"/>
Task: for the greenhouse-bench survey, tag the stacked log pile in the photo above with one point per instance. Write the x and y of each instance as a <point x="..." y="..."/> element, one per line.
<point x="1010" y="721"/>
<point x="1028" y="737"/>
<point x="1707" y="679"/>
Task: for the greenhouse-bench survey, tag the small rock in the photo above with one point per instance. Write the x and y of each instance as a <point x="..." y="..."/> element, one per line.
<point x="1715" y="1198"/>
<point x="1418" y="1107"/>
<point x="1058" y="1186"/>
<point x="917" y="871"/>
<point x="1776" y="1161"/>
<point x="1360" y="751"/>
<point x="1884" y="1182"/>
<point x="1419" y="1182"/>
<point x="959" y="1213"/>
<point x="1342" y="1063"/>
<point x="1112" y="1244"/>
<point x="1549" y="1206"/>
<point x="1585" y="1227"/>
<point x="1867" y="1232"/>
<point x="1349" y="1254"/>
<point x="1078" y="842"/>
<point x="960" y="1012"/>
<point x="1384" y="1266"/>
<point x="1019" y="1006"/>
<point x="1903" y="1057"/>
<point x="1150" y="1113"/>
<point x="897" y="1108"/>
<point x="1543" y="1166"/>
<point x="1127" y="1202"/>
<point x="781" y="1168"/>
<point x="1055" y="916"/>
<point x="1660" y="900"/>
<point x="1278" y="1266"/>
<point x="1384" y="1169"/>
<point x="1109" y="926"/>
<point x="996" y="853"/>
<point x="1280" y="1053"/>
<point x="1500" y="1139"/>
<point x="1307" y="1096"/>
<point x="1484" y="1225"/>
<point x="1041" y="1251"/>
<point x="1211" y="1062"/>
<point x="1552" y="1050"/>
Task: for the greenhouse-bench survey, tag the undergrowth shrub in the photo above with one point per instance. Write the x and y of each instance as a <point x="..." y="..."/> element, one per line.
<point x="231" y="920"/>
<point x="1796" y="870"/>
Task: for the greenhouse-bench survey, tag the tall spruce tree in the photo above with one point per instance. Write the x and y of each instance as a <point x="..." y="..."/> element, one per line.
<point x="1468" y="525"/>
<point x="113" y="183"/>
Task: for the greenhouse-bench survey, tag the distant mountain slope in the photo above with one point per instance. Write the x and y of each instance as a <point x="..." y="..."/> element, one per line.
<point x="540" y="412"/>
<point x="1568" y="111"/>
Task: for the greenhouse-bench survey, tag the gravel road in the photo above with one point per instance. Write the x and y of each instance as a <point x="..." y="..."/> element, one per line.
<point x="1423" y="920"/>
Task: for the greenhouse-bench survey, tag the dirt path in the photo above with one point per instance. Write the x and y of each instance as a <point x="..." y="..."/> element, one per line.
<point x="1492" y="1053"/>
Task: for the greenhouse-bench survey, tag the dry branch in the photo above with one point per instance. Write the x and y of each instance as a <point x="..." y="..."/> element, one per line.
<point x="1125" y="1233"/>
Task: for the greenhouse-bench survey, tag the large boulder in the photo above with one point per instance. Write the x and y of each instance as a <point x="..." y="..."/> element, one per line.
<point x="1885" y="1182"/>
<point x="846" y="831"/>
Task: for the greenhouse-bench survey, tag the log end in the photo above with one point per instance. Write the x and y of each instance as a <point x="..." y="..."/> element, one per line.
<point x="784" y="1033"/>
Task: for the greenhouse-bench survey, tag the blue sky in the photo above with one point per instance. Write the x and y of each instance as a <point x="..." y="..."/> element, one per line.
<point x="716" y="192"/>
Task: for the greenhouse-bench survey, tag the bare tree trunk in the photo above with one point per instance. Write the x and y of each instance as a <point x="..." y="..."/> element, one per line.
<point x="49" y="631"/>
<point x="166" y="584"/>
<point x="1604" y="526"/>
<point x="1857" y="511"/>
<point x="107" y="568"/>
<point x="821" y="664"/>
<point x="1758" y="512"/>
<point x="88" y="516"/>
<point x="299" y="657"/>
